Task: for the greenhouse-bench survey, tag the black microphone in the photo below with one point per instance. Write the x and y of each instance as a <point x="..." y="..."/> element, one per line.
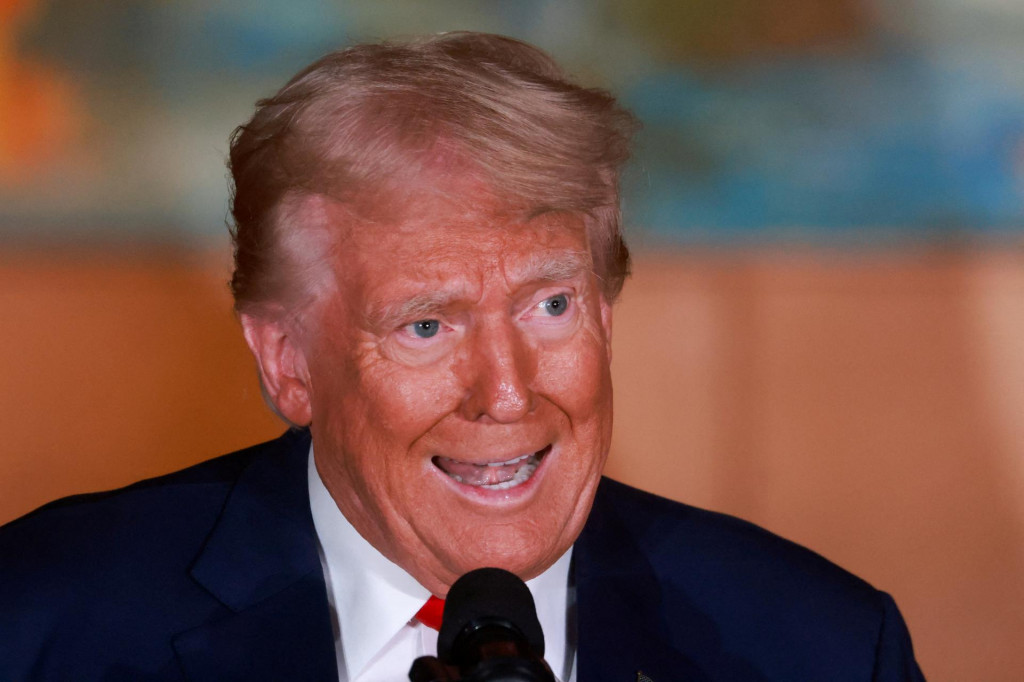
<point x="490" y="633"/>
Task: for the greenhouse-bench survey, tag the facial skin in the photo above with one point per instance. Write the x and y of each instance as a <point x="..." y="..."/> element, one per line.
<point x="457" y="335"/>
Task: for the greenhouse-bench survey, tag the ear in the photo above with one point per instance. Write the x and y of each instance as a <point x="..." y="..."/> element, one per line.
<point x="282" y="365"/>
<point x="606" y="322"/>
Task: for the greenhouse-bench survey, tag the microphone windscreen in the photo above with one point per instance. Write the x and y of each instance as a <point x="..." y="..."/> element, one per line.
<point x="489" y="596"/>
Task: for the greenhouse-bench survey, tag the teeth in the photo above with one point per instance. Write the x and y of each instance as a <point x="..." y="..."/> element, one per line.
<point x="511" y="461"/>
<point x="493" y="475"/>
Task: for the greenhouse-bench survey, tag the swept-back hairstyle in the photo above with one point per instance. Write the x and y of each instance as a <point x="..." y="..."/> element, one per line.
<point x="358" y="124"/>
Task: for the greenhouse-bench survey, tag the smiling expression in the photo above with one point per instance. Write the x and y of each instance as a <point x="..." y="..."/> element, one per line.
<point x="459" y="384"/>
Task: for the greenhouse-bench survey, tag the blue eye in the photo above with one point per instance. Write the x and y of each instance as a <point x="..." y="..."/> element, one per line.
<point x="556" y="305"/>
<point x="425" y="328"/>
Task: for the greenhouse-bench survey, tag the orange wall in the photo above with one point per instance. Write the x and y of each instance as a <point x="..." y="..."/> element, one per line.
<point x="115" y="368"/>
<point x="866" y="405"/>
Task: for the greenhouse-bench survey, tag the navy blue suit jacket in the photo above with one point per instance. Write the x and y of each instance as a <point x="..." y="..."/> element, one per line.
<point x="212" y="574"/>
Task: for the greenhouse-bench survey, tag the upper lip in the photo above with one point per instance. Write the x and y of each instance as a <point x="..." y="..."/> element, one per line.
<point x="495" y="460"/>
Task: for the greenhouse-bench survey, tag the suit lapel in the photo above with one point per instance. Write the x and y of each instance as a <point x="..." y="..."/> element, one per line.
<point x="261" y="562"/>
<point x="618" y="600"/>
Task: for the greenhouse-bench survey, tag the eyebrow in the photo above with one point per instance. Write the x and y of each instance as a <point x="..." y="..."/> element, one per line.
<point x="540" y="267"/>
<point x="418" y="307"/>
<point x="555" y="267"/>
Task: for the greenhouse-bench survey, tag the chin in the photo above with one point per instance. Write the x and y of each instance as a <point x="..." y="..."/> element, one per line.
<point x="526" y="555"/>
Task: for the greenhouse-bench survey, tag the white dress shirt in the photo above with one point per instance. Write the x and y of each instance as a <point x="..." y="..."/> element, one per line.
<point x="373" y="602"/>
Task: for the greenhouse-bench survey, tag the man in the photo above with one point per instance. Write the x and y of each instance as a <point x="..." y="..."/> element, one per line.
<point x="427" y="251"/>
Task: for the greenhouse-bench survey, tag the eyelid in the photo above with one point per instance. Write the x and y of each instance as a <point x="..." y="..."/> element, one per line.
<point x="407" y="347"/>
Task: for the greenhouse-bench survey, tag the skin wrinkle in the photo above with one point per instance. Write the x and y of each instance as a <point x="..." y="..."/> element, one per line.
<point x="315" y="218"/>
<point x="540" y="268"/>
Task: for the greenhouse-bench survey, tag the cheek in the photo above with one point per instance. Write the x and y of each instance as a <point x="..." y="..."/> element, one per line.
<point x="578" y="380"/>
<point x="414" y="393"/>
<point x="400" y="404"/>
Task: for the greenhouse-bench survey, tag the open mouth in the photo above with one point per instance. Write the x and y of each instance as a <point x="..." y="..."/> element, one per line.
<point x="493" y="475"/>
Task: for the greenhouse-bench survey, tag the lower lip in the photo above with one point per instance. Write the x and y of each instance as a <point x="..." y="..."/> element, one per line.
<point x="503" y="497"/>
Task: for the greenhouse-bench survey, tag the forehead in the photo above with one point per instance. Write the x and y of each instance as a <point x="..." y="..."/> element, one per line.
<point x="458" y="231"/>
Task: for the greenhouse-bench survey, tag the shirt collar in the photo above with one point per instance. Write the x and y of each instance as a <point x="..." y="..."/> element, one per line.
<point x="374" y="598"/>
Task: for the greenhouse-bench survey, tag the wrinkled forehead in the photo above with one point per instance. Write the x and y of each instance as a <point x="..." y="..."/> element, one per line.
<point x="440" y="217"/>
<point x="456" y="220"/>
<point x="450" y="189"/>
<point x="447" y="188"/>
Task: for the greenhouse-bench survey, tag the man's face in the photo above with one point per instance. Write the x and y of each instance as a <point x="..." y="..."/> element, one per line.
<point x="459" y="384"/>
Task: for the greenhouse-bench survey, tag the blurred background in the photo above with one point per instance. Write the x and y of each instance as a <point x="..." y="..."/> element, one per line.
<point x="823" y="334"/>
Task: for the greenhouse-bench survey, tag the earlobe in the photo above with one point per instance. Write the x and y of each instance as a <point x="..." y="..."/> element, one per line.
<point x="282" y="366"/>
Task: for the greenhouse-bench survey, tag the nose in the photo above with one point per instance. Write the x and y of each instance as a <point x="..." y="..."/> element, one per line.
<point x="499" y="368"/>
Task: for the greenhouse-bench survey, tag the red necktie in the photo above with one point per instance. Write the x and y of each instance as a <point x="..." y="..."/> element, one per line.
<point x="430" y="614"/>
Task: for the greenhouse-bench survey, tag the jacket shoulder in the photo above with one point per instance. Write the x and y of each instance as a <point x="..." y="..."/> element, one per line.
<point x="681" y="541"/>
<point x="104" y="510"/>
<point x="113" y="566"/>
<point x="726" y="585"/>
<point x="155" y="510"/>
<point x="217" y="471"/>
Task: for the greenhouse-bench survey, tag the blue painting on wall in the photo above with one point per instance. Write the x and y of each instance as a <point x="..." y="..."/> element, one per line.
<point x="763" y="121"/>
